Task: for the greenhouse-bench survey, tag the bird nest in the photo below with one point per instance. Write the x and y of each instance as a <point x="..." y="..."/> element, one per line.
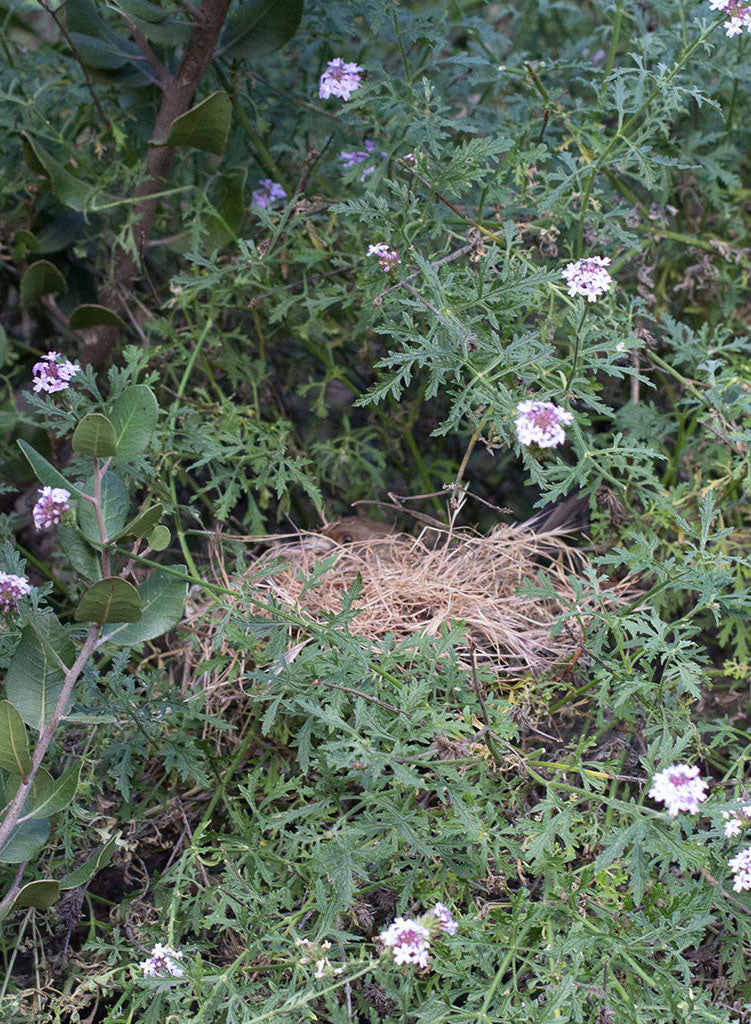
<point x="407" y="586"/>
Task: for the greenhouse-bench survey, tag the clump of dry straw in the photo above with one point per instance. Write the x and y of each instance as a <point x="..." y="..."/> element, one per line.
<point x="412" y="585"/>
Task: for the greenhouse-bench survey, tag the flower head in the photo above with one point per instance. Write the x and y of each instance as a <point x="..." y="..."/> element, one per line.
<point x="162" y="963"/>
<point x="541" y="423"/>
<point x="388" y="258"/>
<point x="360" y="156"/>
<point x="49" y="509"/>
<point x="268" y="193"/>
<point x="679" y="788"/>
<point x="341" y="78"/>
<point x="737" y="15"/>
<point x="12" y="589"/>
<point x="53" y="373"/>
<point x="408" y="940"/>
<point x="736" y="821"/>
<point x="740" y="865"/>
<point x="445" y="918"/>
<point x="588" y="277"/>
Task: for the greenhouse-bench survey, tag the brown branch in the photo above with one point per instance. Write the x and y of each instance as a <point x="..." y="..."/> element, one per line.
<point x="77" y="58"/>
<point x="178" y="91"/>
<point x="71" y="676"/>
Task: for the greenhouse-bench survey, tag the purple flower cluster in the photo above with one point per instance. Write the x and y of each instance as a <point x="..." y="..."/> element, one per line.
<point x="53" y="373"/>
<point x="737" y="15"/>
<point x="268" y="193"/>
<point x="49" y="509"/>
<point x="12" y="590"/>
<point x="541" y="423"/>
<point x="341" y="78"/>
<point x="359" y="156"/>
<point x="388" y="258"/>
<point x="588" y="277"/>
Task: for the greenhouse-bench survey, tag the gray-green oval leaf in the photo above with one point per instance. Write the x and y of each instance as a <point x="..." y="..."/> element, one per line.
<point x="134" y="416"/>
<point x="162" y="602"/>
<point x="205" y="127"/>
<point x="95" y="436"/>
<point x="110" y="600"/>
<point x="115" y="507"/>
<point x="14" y="743"/>
<point x="36" y="673"/>
<point x="41" y="278"/>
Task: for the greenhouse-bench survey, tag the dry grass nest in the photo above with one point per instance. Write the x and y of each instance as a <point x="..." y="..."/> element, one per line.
<point x="410" y="586"/>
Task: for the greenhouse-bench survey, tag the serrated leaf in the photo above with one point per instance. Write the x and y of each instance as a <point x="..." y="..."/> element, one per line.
<point x="68" y="189"/>
<point x="36" y="673"/>
<point x="14" y="742"/>
<point x="81" y="556"/>
<point x="204" y="127"/>
<point x="45" y="472"/>
<point x="162" y="604"/>
<point x="95" y="436"/>
<point x="25" y="841"/>
<point x="89" y="868"/>
<point x="115" y="506"/>
<point x="260" y="27"/>
<point x="92" y="315"/>
<point x="110" y="600"/>
<point x="143" y="523"/>
<point x="159" y="538"/>
<point x="134" y="416"/>
<point x="41" y="278"/>
<point x="42" y="894"/>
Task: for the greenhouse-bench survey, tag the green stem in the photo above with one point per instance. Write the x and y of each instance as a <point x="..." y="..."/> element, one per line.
<point x="613" y="48"/>
<point x="254" y="137"/>
<point x="626" y="127"/>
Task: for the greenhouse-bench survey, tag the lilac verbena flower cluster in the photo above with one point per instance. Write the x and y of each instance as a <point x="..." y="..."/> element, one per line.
<point x="680" y="788"/>
<point x="52" y="504"/>
<point x="541" y="423"/>
<point x="268" y="193"/>
<point x="359" y="156"/>
<point x="162" y="963"/>
<point x="341" y="78"/>
<point x="588" y="277"/>
<point x="740" y="865"/>
<point x="12" y="590"/>
<point x="737" y="15"/>
<point x="388" y="258"/>
<point x="409" y="938"/>
<point x="53" y="373"/>
<point x="736" y="821"/>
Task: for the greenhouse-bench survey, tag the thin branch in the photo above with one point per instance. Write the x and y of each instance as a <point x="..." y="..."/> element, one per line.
<point x="16" y="805"/>
<point x="89" y="83"/>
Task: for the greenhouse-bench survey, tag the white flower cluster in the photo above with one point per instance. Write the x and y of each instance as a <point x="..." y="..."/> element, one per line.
<point x="341" y="78"/>
<point x="316" y="952"/>
<point x="737" y="15"/>
<point x="679" y="788"/>
<point x="588" y="277"/>
<point x="163" y="963"/>
<point x="541" y="423"/>
<point x="736" y="821"/>
<point x="409" y="938"/>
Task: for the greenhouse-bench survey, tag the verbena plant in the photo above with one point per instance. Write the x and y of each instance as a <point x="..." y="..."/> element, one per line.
<point x="345" y="283"/>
